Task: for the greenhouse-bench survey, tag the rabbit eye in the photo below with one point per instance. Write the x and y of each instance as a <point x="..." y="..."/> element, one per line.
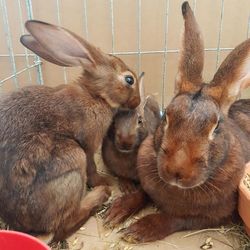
<point x="140" y="120"/>
<point x="129" y="80"/>
<point x="217" y="127"/>
<point x="215" y="130"/>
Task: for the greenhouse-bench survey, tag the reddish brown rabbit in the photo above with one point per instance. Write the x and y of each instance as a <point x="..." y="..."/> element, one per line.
<point x="192" y="166"/>
<point x="48" y="135"/>
<point x="126" y="133"/>
<point x="119" y="152"/>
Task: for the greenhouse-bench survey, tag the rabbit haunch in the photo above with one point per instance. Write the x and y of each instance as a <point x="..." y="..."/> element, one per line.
<point x="48" y="136"/>
<point x="192" y="165"/>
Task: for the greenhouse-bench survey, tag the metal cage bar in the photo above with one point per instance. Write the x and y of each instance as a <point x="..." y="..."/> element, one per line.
<point x="219" y="35"/>
<point x="85" y="19"/>
<point x="22" y="31"/>
<point x="112" y="25"/>
<point x="165" y="55"/>
<point x="139" y="37"/>
<point x="139" y="52"/>
<point x="9" y="43"/>
<point x="59" y="23"/>
<point x="248" y="28"/>
<point x="37" y="58"/>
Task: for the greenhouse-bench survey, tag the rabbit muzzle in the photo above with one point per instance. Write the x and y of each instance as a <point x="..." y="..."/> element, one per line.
<point x="176" y="178"/>
<point x="125" y="144"/>
<point x="133" y="102"/>
<point x="183" y="174"/>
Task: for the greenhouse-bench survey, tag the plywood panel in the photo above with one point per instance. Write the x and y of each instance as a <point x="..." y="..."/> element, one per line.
<point x="208" y="17"/>
<point x="235" y="20"/>
<point x="153" y="24"/>
<point x="99" y="23"/>
<point x="153" y="81"/>
<point x="125" y="25"/>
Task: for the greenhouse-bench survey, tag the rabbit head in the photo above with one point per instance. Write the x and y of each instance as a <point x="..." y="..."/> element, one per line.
<point x="129" y="131"/>
<point x="194" y="136"/>
<point x="104" y="75"/>
<point x="131" y="127"/>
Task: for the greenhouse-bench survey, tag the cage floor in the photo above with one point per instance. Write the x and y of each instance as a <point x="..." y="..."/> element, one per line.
<point x="93" y="236"/>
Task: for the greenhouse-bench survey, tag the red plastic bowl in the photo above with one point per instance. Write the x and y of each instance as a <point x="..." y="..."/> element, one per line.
<point x="12" y="240"/>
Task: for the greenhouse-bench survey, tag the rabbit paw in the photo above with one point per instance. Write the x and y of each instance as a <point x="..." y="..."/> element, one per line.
<point x="96" y="197"/>
<point x="117" y="213"/>
<point x="149" y="228"/>
<point x="125" y="206"/>
<point x="101" y="194"/>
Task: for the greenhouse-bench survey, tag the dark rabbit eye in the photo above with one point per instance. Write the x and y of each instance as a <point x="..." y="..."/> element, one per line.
<point x="216" y="130"/>
<point x="129" y="80"/>
<point x="140" y="120"/>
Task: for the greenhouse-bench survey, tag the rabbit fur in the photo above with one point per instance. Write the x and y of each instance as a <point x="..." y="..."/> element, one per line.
<point x="48" y="135"/>
<point x="192" y="165"/>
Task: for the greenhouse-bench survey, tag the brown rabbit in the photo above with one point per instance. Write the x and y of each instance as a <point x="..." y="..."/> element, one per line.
<point x="192" y="166"/>
<point x="119" y="152"/>
<point x="126" y="133"/>
<point x="48" y="135"/>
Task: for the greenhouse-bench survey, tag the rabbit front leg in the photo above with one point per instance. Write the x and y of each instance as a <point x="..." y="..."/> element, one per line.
<point x="125" y="206"/>
<point x="157" y="226"/>
<point x="150" y="228"/>
<point x="94" y="179"/>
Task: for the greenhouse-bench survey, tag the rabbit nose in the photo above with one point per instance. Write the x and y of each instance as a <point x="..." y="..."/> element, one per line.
<point x="125" y="142"/>
<point x="126" y="146"/>
<point x="172" y="174"/>
<point x="177" y="176"/>
<point x="133" y="102"/>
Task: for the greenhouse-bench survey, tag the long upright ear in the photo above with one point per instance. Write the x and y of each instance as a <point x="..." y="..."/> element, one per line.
<point x="62" y="45"/>
<point x="189" y="76"/>
<point x="152" y="114"/>
<point x="32" y="44"/>
<point x="232" y="76"/>
<point x="142" y="94"/>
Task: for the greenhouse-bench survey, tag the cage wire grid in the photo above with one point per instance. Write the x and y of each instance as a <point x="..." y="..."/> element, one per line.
<point x="37" y="63"/>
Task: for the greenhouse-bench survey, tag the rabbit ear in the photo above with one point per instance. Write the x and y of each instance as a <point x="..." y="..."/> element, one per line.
<point x="232" y="76"/>
<point x="62" y="45"/>
<point x="189" y="76"/>
<point x="142" y="94"/>
<point x="152" y="115"/>
<point x="32" y="44"/>
<point x="141" y="86"/>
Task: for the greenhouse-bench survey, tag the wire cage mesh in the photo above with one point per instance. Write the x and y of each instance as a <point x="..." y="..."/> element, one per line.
<point x="144" y="33"/>
<point x="124" y="27"/>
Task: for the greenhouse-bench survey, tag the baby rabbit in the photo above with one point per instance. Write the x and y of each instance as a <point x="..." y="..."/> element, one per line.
<point x="48" y="135"/>
<point x="119" y="152"/>
<point x="192" y="166"/>
<point x="126" y="133"/>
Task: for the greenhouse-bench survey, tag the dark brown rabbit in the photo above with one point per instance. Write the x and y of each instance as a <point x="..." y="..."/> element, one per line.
<point x="126" y="133"/>
<point x="119" y="152"/>
<point x="192" y="166"/>
<point x="48" y="135"/>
